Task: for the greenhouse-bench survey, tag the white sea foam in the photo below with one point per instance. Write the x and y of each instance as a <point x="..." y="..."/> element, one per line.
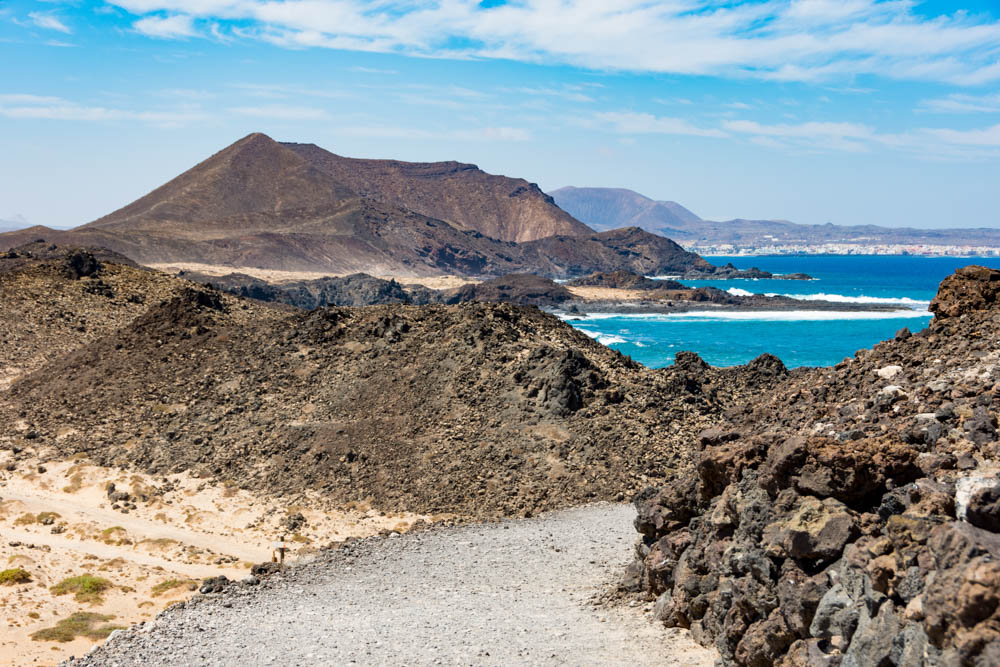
<point x="736" y="291"/>
<point x="753" y="316"/>
<point x="842" y="298"/>
<point x="610" y="339"/>
<point x="798" y="315"/>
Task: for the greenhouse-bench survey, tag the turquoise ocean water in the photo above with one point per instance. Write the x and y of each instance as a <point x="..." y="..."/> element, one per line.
<point x="798" y="338"/>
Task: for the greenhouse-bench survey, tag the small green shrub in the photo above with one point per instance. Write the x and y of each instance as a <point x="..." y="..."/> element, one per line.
<point x="86" y="588"/>
<point x="80" y="624"/>
<point x="14" y="576"/>
<point x="168" y="585"/>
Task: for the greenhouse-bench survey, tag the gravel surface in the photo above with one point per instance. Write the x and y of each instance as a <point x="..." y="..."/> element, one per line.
<point x="515" y="592"/>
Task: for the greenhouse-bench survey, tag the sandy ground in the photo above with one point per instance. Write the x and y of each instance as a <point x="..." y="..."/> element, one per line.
<point x="608" y="294"/>
<point x="434" y="282"/>
<point x="153" y="551"/>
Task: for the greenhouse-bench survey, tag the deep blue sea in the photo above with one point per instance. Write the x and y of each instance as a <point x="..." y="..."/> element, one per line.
<point x="798" y="338"/>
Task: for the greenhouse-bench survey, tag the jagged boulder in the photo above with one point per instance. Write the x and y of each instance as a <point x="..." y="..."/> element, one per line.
<point x="968" y="289"/>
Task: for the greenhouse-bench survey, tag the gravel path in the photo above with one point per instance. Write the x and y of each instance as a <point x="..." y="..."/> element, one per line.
<point x="506" y="593"/>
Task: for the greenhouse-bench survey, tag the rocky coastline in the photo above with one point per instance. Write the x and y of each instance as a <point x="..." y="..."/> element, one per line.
<point x="617" y="292"/>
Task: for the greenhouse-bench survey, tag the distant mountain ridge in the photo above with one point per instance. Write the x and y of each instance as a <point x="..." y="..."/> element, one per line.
<point x="296" y="207"/>
<point x="602" y="208"/>
<point x="612" y="208"/>
<point x="13" y="224"/>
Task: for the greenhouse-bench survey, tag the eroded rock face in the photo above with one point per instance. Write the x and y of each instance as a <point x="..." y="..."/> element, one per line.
<point x="852" y="518"/>
<point x="970" y="288"/>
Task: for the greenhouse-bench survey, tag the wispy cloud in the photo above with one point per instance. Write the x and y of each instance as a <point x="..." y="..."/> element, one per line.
<point x="800" y="40"/>
<point x="49" y="21"/>
<point x="40" y="107"/>
<point x="371" y="70"/>
<point x="497" y="134"/>
<point x="280" y="91"/>
<point x="629" y="122"/>
<point x="959" y="103"/>
<point x="926" y="142"/>
<point x="166" y="27"/>
<point x="280" y="112"/>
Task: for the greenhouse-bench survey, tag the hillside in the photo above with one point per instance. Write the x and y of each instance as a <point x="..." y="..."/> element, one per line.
<point x="508" y="209"/>
<point x="478" y="409"/>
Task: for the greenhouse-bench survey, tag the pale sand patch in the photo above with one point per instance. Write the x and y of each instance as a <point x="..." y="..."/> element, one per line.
<point x="433" y="282"/>
<point x="191" y="531"/>
<point x="275" y="276"/>
<point x="608" y="294"/>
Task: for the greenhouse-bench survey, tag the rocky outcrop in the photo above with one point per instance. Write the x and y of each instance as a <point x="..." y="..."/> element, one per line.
<point x="970" y="288"/>
<point x="850" y="518"/>
<point x="730" y="272"/>
<point x="521" y="288"/>
<point x="623" y="280"/>
<point x="355" y="290"/>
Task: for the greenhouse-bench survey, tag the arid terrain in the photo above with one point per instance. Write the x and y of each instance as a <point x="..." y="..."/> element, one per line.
<point x="219" y="420"/>
<point x="857" y="502"/>
<point x="60" y="522"/>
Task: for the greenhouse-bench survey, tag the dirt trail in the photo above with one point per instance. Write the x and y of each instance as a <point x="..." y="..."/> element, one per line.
<point x="515" y="592"/>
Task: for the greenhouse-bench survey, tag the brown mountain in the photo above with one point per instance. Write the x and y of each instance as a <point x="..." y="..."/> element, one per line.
<point x="508" y="209"/>
<point x="260" y="203"/>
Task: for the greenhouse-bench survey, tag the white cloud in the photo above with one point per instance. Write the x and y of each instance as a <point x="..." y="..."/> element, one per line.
<point x="630" y="122"/>
<point x="39" y="107"/>
<point x="491" y="134"/>
<point x="926" y="142"/>
<point x="166" y="27"/>
<point x="959" y="103"/>
<point x="803" y="40"/>
<point x="49" y="22"/>
<point x="280" y="112"/>
<point x="371" y="70"/>
<point x="279" y="91"/>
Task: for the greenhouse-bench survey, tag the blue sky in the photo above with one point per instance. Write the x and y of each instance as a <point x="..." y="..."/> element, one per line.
<point x="848" y="111"/>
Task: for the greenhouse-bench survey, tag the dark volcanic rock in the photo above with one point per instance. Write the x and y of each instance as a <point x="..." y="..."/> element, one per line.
<point x="520" y="288"/>
<point x="970" y="288"/>
<point x="355" y="290"/>
<point x="623" y="280"/>
<point x="849" y="517"/>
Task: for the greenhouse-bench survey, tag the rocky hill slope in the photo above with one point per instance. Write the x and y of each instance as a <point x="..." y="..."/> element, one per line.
<point x="55" y="299"/>
<point x="508" y="209"/>
<point x="478" y="409"/>
<point x="850" y="516"/>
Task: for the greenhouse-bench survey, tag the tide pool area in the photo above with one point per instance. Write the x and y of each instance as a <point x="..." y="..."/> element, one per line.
<point x="799" y="337"/>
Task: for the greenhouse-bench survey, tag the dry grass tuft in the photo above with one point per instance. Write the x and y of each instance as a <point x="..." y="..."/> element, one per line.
<point x="85" y="588"/>
<point x="80" y="624"/>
